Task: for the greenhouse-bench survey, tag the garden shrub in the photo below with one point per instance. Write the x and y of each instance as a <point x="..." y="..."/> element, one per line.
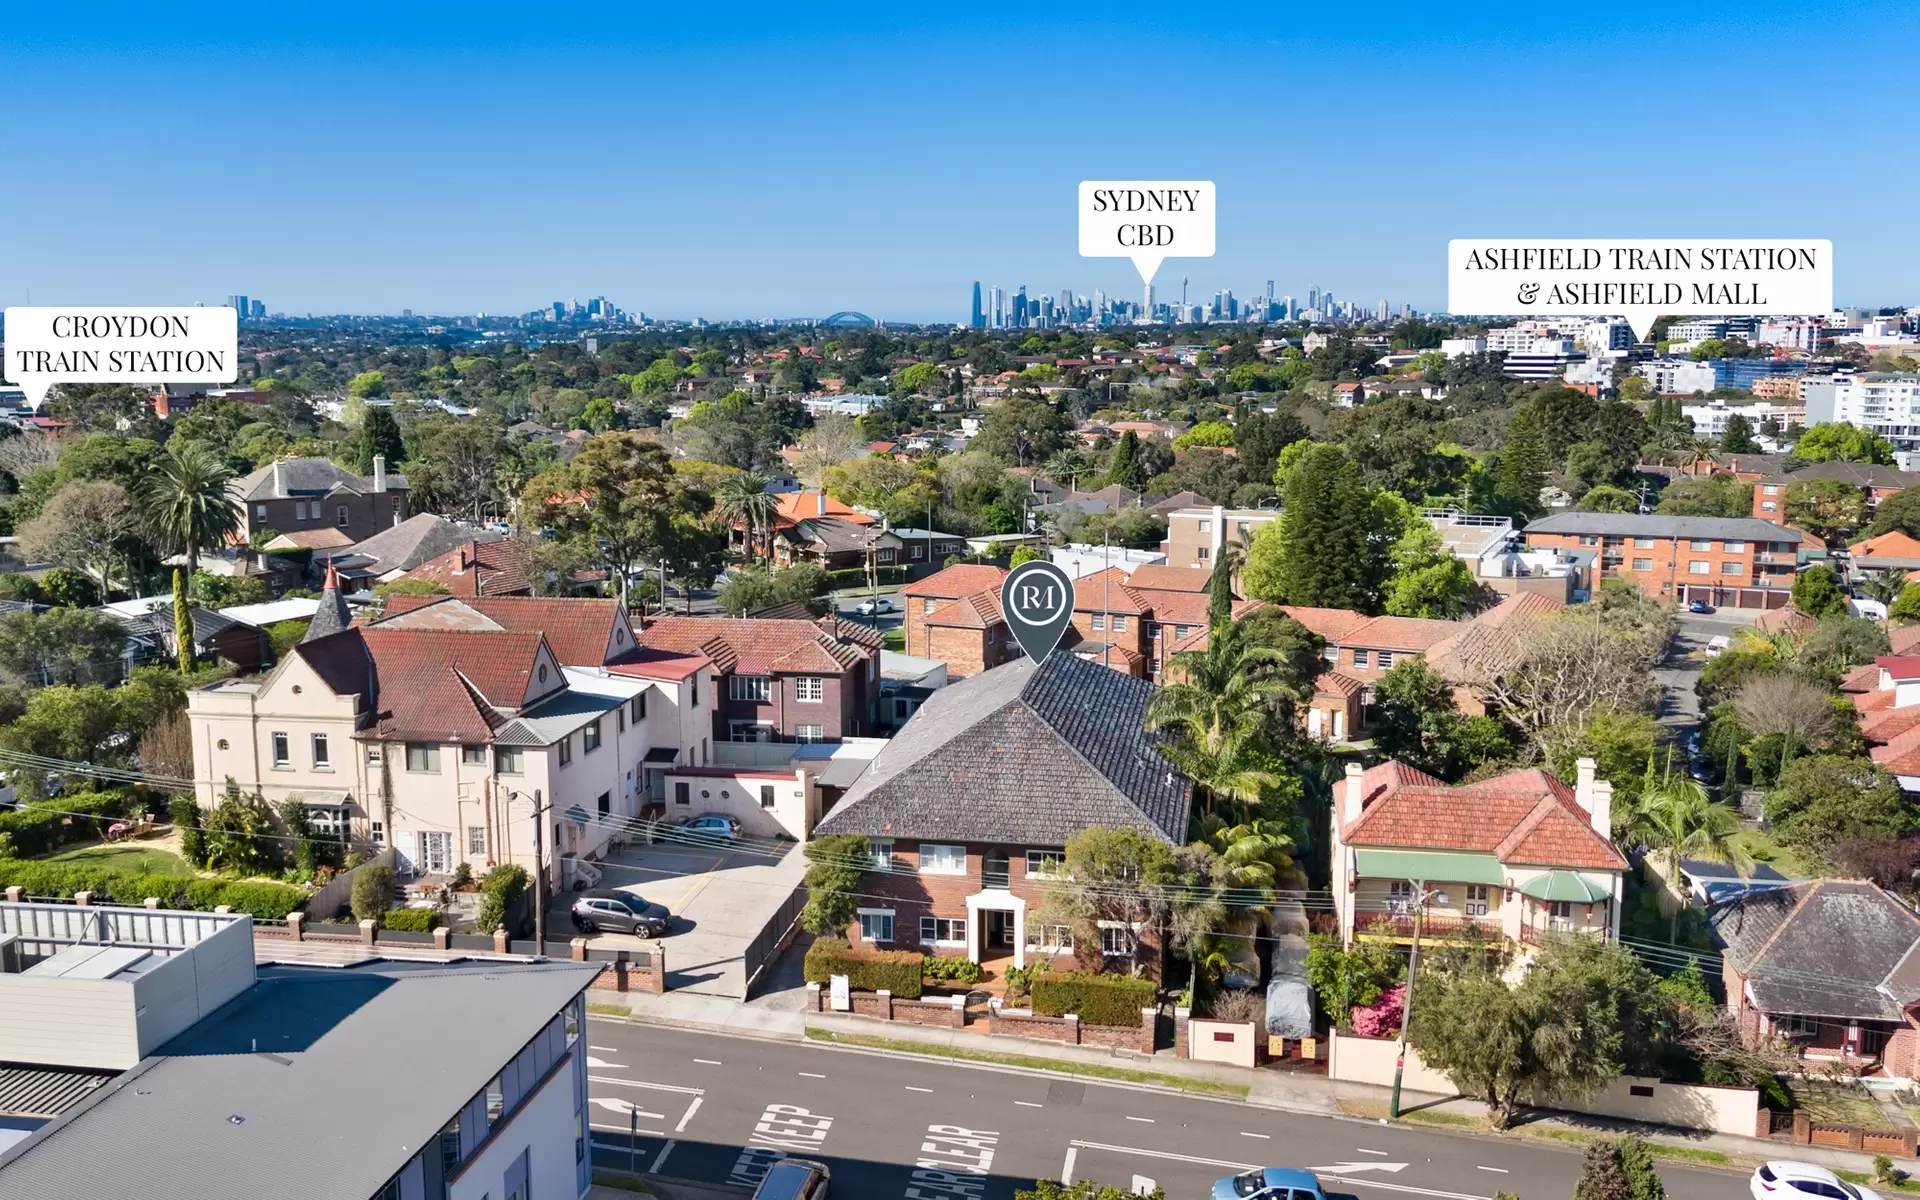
<point x="1097" y="999"/>
<point x="271" y="901"/>
<point x="957" y="970"/>
<point x="45" y="826"/>
<point x="372" y="893"/>
<point x="499" y="891"/>
<point x="413" y="920"/>
<point x="896" y="971"/>
<point x="267" y="901"/>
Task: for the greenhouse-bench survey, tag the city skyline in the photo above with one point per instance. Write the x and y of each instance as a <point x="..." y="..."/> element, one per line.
<point x="501" y="197"/>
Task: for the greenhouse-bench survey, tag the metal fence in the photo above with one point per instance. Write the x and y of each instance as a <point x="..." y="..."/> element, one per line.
<point x="766" y="944"/>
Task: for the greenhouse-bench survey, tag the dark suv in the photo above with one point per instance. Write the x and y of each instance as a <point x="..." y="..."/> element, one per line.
<point x="604" y="910"/>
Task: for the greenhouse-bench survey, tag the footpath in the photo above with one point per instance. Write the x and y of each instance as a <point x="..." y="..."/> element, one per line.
<point x="1269" y="1087"/>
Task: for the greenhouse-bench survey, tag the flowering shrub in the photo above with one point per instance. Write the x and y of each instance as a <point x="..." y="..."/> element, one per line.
<point x="1382" y="1017"/>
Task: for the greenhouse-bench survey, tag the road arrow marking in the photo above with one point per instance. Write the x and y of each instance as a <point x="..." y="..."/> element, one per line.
<point x="628" y="1108"/>
<point x="601" y="1062"/>
<point x="1347" y="1168"/>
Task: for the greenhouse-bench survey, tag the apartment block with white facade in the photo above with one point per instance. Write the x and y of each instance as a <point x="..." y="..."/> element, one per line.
<point x="1887" y="403"/>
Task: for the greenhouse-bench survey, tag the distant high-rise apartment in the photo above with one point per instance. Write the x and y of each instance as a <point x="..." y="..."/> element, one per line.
<point x="239" y="305"/>
<point x="978" y="318"/>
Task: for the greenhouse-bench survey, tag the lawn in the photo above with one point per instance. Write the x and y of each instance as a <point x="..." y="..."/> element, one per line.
<point x="1838" y="1105"/>
<point x="127" y="856"/>
<point x="1204" y="1087"/>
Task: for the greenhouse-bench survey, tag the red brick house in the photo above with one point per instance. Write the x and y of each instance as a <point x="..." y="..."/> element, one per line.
<point x="968" y="809"/>
<point x="781" y="680"/>
<point x="937" y="627"/>
<point x="476" y="569"/>
<point x="1832" y="966"/>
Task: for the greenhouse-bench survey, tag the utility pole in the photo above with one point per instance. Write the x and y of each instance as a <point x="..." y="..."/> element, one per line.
<point x="1406" y="1002"/>
<point x="539" y="874"/>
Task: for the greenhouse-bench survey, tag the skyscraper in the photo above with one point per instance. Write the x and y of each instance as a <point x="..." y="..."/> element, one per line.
<point x="998" y="309"/>
<point x="979" y="319"/>
<point x="239" y="305"/>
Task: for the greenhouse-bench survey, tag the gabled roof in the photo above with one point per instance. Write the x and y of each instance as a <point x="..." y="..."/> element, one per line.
<point x="1905" y="639"/>
<point x="1022" y="755"/>
<point x="837" y="534"/>
<point x="582" y="631"/>
<point x="800" y="506"/>
<point x="413" y="541"/>
<point x="1866" y="475"/>
<point x="757" y="646"/>
<point x="1107" y="591"/>
<point x="1400" y="633"/>
<point x="1158" y="577"/>
<point x="1526" y="813"/>
<point x="305" y="477"/>
<point x="1332" y="624"/>
<point x="477" y="568"/>
<point x="961" y="579"/>
<point x="1894" y="544"/>
<point x="1823" y="948"/>
<point x="324" y="537"/>
<point x="1900" y="668"/>
<point x="981" y="611"/>
<point x="447" y="686"/>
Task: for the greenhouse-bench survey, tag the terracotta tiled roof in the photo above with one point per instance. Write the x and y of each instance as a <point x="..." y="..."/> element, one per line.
<point x="980" y="611"/>
<point x="1400" y="633"/>
<point x="1905" y="639"/>
<point x="1888" y="545"/>
<point x="1338" y="683"/>
<point x="661" y="664"/>
<point x="1785" y="619"/>
<point x="1886" y="724"/>
<point x="1512" y="813"/>
<point x="1901" y="747"/>
<point x="439" y="685"/>
<point x="1901" y="668"/>
<point x="326" y="538"/>
<point x="1107" y="591"/>
<point x="476" y="569"/>
<point x="963" y="579"/>
<point x="1177" y="608"/>
<point x="1864" y="678"/>
<point x="800" y="506"/>
<point x="1158" y="577"/>
<point x="1872" y="701"/>
<point x="582" y="631"/>
<point x="1333" y="624"/>
<point x="755" y="646"/>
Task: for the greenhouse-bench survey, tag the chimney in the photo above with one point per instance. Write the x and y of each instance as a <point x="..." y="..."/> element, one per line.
<point x="820" y="503"/>
<point x="1352" y="801"/>
<point x="1603" y="809"/>
<point x="279" y="477"/>
<point x="1594" y="796"/>
<point x="379" y="472"/>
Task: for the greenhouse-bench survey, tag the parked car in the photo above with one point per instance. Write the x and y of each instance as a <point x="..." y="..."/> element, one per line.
<point x="1270" y="1183"/>
<point x="794" y="1179"/>
<point x="711" y="827"/>
<point x="1804" y="1181"/>
<point x="1699" y="606"/>
<point x="868" y="608"/>
<point x="604" y="910"/>
<point x="1716" y="646"/>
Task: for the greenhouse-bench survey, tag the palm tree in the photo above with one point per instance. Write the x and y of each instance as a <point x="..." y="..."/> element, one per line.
<point x="190" y="511"/>
<point x="1885" y="585"/>
<point x="743" y="498"/>
<point x="1676" y="820"/>
<point x="1253" y="854"/>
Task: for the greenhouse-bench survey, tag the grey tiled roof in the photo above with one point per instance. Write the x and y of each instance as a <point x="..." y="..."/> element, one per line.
<point x="1820" y="949"/>
<point x="1744" y="529"/>
<point x="1859" y="474"/>
<point x="306" y="477"/>
<point x="413" y="541"/>
<point x="1022" y="755"/>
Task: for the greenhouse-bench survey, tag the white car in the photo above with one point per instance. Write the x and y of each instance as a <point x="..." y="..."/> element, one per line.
<point x="1804" y="1181"/>
<point x="868" y="608"/>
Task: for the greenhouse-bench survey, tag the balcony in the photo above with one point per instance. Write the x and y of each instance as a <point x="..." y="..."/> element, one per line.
<point x="1534" y="935"/>
<point x="1400" y="925"/>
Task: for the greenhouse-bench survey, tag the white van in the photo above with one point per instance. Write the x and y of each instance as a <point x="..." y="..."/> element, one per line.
<point x="1716" y="645"/>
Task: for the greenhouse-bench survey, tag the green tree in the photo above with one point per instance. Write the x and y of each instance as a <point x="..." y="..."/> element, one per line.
<point x="834" y="864"/>
<point x="1817" y="592"/>
<point x="1824" y="800"/>
<point x="1114" y="879"/>
<point x="1602" y="1177"/>
<point x="1830" y="509"/>
<point x="368" y="384"/>
<point x="1674" y="820"/>
<point x="1021" y="432"/>
<point x="187" y="504"/>
<point x="184" y="813"/>
<point x="1084" y="1189"/>
<point x="61" y="645"/>
<point x="621" y="501"/>
<point x="1328" y="558"/>
<point x="1206" y="433"/>
<point x="1905" y="608"/>
<point x="1737" y="438"/>
<point x="1217" y="706"/>
<point x="1025" y="554"/>
<point x="1220" y="597"/>
<point x="1524" y="464"/>
<point x="1418" y="723"/>
<point x="1899" y="511"/>
<point x="1838" y="440"/>
<point x="240" y="833"/>
<point x="1609" y="499"/>
<point x="1426" y="580"/>
<point x="1707" y="496"/>
<point x="1353" y="977"/>
<point x="379" y="436"/>
<point x="1124" y="468"/>
<point x="65" y="587"/>
<point x="917" y="377"/>
<point x="1839" y="644"/>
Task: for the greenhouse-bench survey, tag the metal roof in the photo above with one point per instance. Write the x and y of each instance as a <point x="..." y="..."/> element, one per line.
<point x="1740" y="529"/>
<point x="46" y="1091"/>
<point x="314" y="1084"/>
<point x="1429" y="866"/>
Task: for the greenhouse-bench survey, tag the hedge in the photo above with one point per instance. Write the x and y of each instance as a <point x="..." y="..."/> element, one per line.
<point x="268" y="901"/>
<point x="413" y="920"/>
<point x="1098" y="999"/>
<point x="503" y="886"/>
<point x="954" y="969"/>
<point x="896" y="971"/>
<point x="43" y="827"/>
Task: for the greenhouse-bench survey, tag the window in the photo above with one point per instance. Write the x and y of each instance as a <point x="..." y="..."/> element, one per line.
<point x="637" y="708"/>
<point x="1204" y="552"/>
<point x="1206" y="527"/>
<point x="1049" y="937"/>
<point x="476" y="840"/>
<point x="809" y="733"/>
<point x="919" y="551"/>
<point x="1119" y="623"/>
<point x="943" y="860"/>
<point x="322" y="756"/>
<point x="753" y="688"/>
<point x="1559" y="914"/>
<point x="1735" y="547"/>
<point x="1643" y="564"/>
<point x="423" y="756"/>
<point x="506" y="760"/>
<point x="1332" y="653"/>
<point x="1099" y="620"/>
<point x="810" y="689"/>
<point x="943" y="931"/>
<point x="377" y="834"/>
<point x="1476" y="899"/>
<point x="1767" y="506"/>
<point x="1699" y="567"/>
<point x="1359" y="658"/>
<point x="1385" y="659"/>
<point x="696" y="689"/>
<point x="876" y="925"/>
<point x="1589" y="539"/>
<point x="886" y="555"/>
<point x="259" y="512"/>
<point x="1116" y="940"/>
<point x="1641" y="543"/>
<point x="282" y="751"/>
<point x="681" y="793"/>
<point x="1400" y="891"/>
<point x="604" y="803"/>
<point x="1768" y="489"/>
<point x="1700" y="544"/>
<point x="928" y="605"/>
<point x="299" y="510"/>
<point x="590" y="738"/>
<point x="473" y="756"/>
<point x="565" y="745"/>
<point x="620" y="720"/>
<point x="881" y="851"/>
<point x="1046" y="863"/>
<point x="340" y="515"/>
<point x="1733" y="568"/>
<point x="766" y="795"/>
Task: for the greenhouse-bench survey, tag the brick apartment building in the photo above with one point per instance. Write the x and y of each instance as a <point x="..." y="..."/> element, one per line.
<point x="1737" y="561"/>
<point x="1195" y="535"/>
<point x="1878" y="482"/>
<point x="296" y="494"/>
<point x="954" y="616"/>
<point x="777" y="680"/>
<point x="967" y="811"/>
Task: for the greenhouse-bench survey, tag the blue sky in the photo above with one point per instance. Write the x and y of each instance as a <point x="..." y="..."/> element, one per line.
<point x="749" y="160"/>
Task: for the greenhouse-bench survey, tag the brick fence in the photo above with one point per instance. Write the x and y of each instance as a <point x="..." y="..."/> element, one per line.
<point x="950" y="1012"/>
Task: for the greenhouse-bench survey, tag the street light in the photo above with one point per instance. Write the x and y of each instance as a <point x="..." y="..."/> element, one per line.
<point x="540" y="809"/>
<point x="1422" y="898"/>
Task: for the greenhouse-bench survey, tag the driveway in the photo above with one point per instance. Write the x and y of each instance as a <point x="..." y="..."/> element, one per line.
<point x="1687" y="657"/>
<point x="720" y="899"/>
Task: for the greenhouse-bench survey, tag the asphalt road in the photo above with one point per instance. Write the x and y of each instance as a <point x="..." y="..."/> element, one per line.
<point x="720" y="1110"/>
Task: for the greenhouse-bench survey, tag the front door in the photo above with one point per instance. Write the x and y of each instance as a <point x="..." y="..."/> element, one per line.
<point x="436" y="852"/>
<point x="999" y="931"/>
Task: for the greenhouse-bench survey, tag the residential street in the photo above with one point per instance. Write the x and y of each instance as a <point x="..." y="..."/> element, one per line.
<point x="719" y="1110"/>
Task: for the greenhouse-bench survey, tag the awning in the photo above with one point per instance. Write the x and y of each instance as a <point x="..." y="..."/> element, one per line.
<point x="577" y="815"/>
<point x="1430" y="866"/>
<point x="321" y="797"/>
<point x="1564" y="885"/>
<point x="662" y="754"/>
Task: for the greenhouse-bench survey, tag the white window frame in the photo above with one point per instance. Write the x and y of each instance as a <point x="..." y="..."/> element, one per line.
<point x="1733" y="547"/>
<point x="939" y="862"/>
<point x="1107" y="927"/>
<point x="508" y="760"/>
<point x="1384" y="660"/>
<point x="810" y="689"/>
<point x="1733" y="568"/>
<point x="1477" y="903"/>
<point x="282" y="743"/>
<point x="1643" y="564"/>
<point x="1359" y="658"/>
<point x="1046" y="864"/>
<point x="955" y="929"/>
<point x="808" y="734"/>
<point x="1099" y="621"/>
<point x="1699" y="566"/>
<point x="590" y="736"/>
<point x="1119" y="622"/>
<point x="473" y="756"/>
<point x="322" y="753"/>
<point x="1643" y="543"/>
<point x="476" y="841"/>
<point x="877" y="915"/>
<point x="750" y="689"/>
<point x="340" y="516"/>
<point x="1049" y="939"/>
<point x="880" y="851"/>
<point x="1700" y="545"/>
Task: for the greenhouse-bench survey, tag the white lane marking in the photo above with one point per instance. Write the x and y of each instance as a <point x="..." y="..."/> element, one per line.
<point x="1265" y="1137"/>
<point x="1143" y="1186"/>
<point x="1066" y="1170"/>
<point x="627" y="1108"/>
<point x="621" y="1142"/>
<point x="657" y="1087"/>
<point x="1029" y="1104"/>
<point x="691" y="1109"/>
<point x="1240" y="1166"/>
<point x="1364" y="1150"/>
<point x="1348" y="1168"/>
<point x="709" y="1062"/>
<point x="812" y="1075"/>
<point x="660" y="1159"/>
<point x="604" y="1049"/>
<point x="1142" y="1120"/>
<point x="912" y="1088"/>
<point x="601" y="1062"/>
<point x="1500" y="1170"/>
<point x="952" y="1159"/>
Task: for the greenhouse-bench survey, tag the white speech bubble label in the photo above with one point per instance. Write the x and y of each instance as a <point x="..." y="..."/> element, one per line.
<point x="1147" y="221"/>
<point x="1640" y="279"/>
<point x="48" y="345"/>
